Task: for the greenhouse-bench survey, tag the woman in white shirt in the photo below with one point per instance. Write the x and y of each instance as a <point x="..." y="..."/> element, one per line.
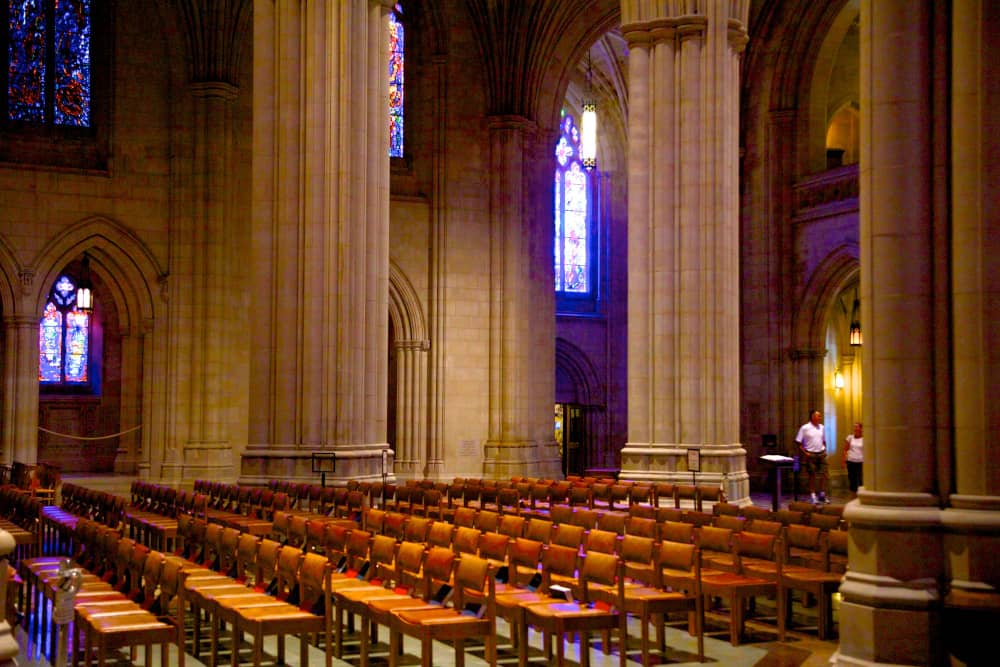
<point x="853" y="458"/>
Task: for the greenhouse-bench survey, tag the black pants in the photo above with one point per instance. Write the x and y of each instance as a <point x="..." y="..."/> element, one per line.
<point x="854" y="477"/>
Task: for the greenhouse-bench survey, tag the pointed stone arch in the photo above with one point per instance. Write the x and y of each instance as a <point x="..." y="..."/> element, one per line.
<point x="411" y="346"/>
<point x="135" y="284"/>
<point x="10" y="276"/>
<point x="834" y="273"/>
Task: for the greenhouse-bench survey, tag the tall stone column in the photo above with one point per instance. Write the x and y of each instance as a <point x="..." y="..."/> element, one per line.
<point x="891" y="598"/>
<point x="683" y="341"/>
<point x="21" y="392"/>
<point x="972" y="517"/>
<point x="321" y="239"/>
<point x="520" y="410"/>
<point x="411" y="407"/>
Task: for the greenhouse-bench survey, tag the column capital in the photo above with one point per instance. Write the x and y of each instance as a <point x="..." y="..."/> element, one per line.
<point x="511" y="122"/>
<point x="691" y="26"/>
<point x="217" y="89"/>
<point x="637" y="35"/>
<point x="736" y="34"/>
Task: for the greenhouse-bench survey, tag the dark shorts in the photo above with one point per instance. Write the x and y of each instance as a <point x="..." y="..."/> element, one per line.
<point x="814" y="464"/>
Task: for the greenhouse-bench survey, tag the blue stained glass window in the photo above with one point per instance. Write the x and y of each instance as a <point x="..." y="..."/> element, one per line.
<point x="572" y="214"/>
<point x="36" y="43"/>
<point x="63" y="338"/>
<point x="395" y="85"/>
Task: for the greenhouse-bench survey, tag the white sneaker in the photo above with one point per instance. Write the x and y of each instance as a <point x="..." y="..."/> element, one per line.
<point x="815" y="502"/>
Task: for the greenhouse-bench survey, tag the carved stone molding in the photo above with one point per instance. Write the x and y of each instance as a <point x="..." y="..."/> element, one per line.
<point x="829" y="187"/>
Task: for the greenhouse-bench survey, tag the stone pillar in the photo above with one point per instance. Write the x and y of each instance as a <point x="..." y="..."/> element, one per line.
<point x="321" y="239"/>
<point x="972" y="518"/>
<point x="520" y="437"/>
<point x="21" y="390"/>
<point x="891" y="599"/>
<point x="683" y="256"/>
<point x="411" y="406"/>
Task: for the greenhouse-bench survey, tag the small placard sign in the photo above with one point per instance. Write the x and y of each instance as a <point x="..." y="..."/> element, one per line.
<point x="694" y="460"/>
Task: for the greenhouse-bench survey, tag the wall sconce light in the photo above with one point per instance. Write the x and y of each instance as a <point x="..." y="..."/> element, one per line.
<point x="838" y="379"/>
<point x="84" y="295"/>
<point x="855" y="338"/>
<point x="588" y="138"/>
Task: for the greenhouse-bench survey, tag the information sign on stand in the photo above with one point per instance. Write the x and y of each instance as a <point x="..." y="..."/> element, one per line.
<point x="324" y="462"/>
<point x="694" y="464"/>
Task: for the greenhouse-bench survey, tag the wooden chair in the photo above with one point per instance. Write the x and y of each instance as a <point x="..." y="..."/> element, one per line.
<point x="493" y="548"/>
<point x="416" y="529"/>
<point x="820" y="584"/>
<point x="733" y="523"/>
<point x="736" y="589"/>
<point x="440" y="534"/>
<point x="474" y="585"/>
<point x="613" y="521"/>
<point x="466" y="540"/>
<point x="511" y="525"/>
<point x="438" y="568"/>
<point x="539" y="530"/>
<point x="716" y="545"/>
<point x="557" y="618"/>
<point x="568" y="536"/>
<point x="487" y="520"/>
<point x="641" y="527"/>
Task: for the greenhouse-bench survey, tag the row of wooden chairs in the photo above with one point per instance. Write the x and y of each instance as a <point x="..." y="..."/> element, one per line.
<point x="19" y="516"/>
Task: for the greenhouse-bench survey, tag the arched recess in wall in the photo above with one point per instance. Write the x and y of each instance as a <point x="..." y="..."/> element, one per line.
<point x="577" y="382"/>
<point x="818" y="90"/>
<point x="821" y="313"/>
<point x="129" y="277"/>
<point x="408" y="355"/>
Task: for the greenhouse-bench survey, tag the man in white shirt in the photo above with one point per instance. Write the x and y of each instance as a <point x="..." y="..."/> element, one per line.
<point x="812" y="442"/>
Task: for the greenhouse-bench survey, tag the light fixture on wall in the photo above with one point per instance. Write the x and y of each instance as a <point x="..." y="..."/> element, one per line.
<point x="588" y="140"/>
<point x="856" y="322"/>
<point x="838" y="379"/>
<point x="84" y="294"/>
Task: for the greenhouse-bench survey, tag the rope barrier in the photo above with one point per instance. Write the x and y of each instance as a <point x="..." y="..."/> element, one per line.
<point x="96" y="437"/>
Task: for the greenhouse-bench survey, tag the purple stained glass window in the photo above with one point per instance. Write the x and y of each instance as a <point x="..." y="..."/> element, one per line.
<point x="50" y="338"/>
<point x="572" y="214"/>
<point x="63" y="338"/>
<point x="395" y="86"/>
<point x="48" y="61"/>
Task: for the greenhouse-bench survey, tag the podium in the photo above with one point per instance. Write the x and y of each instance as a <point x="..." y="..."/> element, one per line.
<point x="775" y="462"/>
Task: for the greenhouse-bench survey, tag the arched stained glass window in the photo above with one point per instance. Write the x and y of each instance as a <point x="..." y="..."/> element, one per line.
<point x="395" y="84"/>
<point x="48" y="62"/>
<point x="63" y="338"/>
<point x="572" y="214"/>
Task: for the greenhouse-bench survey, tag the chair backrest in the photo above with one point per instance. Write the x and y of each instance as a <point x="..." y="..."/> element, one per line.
<point x="824" y="521"/>
<point x="246" y="556"/>
<point x="213" y="546"/>
<point x="585" y="518"/>
<point x="803" y="537"/>
<point x="228" y="545"/>
<point x="416" y="529"/>
<point x="619" y="495"/>
<point x="641" y="526"/>
<point x="287" y="572"/>
<point x="312" y="578"/>
<point x="509" y="500"/>
<point x="603" y="541"/>
<point x="438" y="568"/>
<point x="470" y="579"/>
<point x="559" y="560"/>
<point x="729" y="509"/>
<point x="394" y="525"/>
<point x="539" y="530"/>
<point x="493" y="546"/>
<point x="511" y="526"/>
<point x="678" y="557"/>
<point x="266" y="566"/>
<point x="697" y="518"/>
<point x="710" y="538"/>
<point x="358" y="546"/>
<point x="579" y="496"/>
<point x="766" y="527"/>
<point x="560" y="514"/>
<point x="755" y="545"/>
<point x="613" y="521"/>
<point x="374" y="520"/>
<point x="754" y="512"/>
<point x="669" y="514"/>
<point x="409" y="561"/>
<point x="734" y="523"/>
<point x="383" y="556"/>
<point x="568" y="535"/>
<point x="465" y="517"/>
<point x="637" y="554"/>
<point x="466" y="540"/>
<point x="487" y="520"/>
<point x="789" y="517"/>
<point x="597" y="567"/>
<point x="525" y="555"/>
<point x="440" y="534"/>
<point x="151" y="571"/>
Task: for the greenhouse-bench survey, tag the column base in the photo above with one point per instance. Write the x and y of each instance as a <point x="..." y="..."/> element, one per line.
<point x="506" y="459"/>
<point x="260" y="464"/>
<point x="200" y="459"/>
<point x="668" y="462"/>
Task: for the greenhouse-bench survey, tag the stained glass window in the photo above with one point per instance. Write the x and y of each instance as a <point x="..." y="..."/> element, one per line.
<point x="63" y="338"/>
<point x="48" y="61"/>
<point x="572" y="214"/>
<point x="395" y="85"/>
